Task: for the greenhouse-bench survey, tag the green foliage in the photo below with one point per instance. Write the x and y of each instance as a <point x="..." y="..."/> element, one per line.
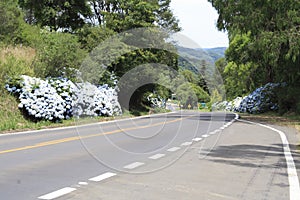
<point x="13" y="67"/>
<point x="238" y="80"/>
<point x="59" y="56"/>
<point x="13" y="64"/>
<point x="121" y="15"/>
<point x="214" y="98"/>
<point x="30" y="35"/>
<point x="189" y="76"/>
<point x="10" y="20"/>
<point x="200" y="93"/>
<point x="220" y="65"/>
<point x="186" y="95"/>
<point x="265" y="34"/>
<point x="61" y="32"/>
<point x="191" y="94"/>
<point x="90" y="37"/>
<point x="56" y="14"/>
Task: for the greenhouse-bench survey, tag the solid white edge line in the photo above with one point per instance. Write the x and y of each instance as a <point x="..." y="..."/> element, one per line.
<point x="157" y="156"/>
<point x="57" y="193"/>
<point x="205" y="136"/>
<point x="236" y="117"/>
<point x="291" y="168"/>
<point x="133" y="165"/>
<point x="173" y="149"/>
<point x="102" y="177"/>
<point x="186" y="144"/>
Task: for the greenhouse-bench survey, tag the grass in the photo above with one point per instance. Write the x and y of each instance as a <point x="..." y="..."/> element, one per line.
<point x="23" y="53"/>
<point x="290" y="120"/>
<point x="11" y="119"/>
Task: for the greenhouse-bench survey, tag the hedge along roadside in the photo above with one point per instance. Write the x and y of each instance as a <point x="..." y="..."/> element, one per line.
<point x="59" y="98"/>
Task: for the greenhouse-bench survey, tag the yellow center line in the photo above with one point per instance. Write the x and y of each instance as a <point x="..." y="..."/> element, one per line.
<point x="69" y="139"/>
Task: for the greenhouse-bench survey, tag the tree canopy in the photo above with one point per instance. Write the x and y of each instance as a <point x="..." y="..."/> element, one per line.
<point x="264" y="35"/>
<point x="67" y="15"/>
<point x="64" y="32"/>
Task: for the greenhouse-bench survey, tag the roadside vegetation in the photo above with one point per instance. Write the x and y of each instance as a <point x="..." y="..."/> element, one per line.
<point x="51" y="40"/>
<point x="264" y="48"/>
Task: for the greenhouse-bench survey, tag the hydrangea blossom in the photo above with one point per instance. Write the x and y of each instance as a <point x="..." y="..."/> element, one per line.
<point x="259" y="101"/>
<point x="91" y="100"/>
<point x="39" y="99"/>
<point x="59" y="98"/>
<point x="66" y="89"/>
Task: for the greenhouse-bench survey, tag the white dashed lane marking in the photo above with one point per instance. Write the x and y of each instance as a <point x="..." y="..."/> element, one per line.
<point x="186" y="143"/>
<point x="134" y="165"/>
<point x="157" y="156"/>
<point x="197" y="139"/>
<point x="58" y="193"/>
<point x="173" y="149"/>
<point x="102" y="177"/>
<point x="67" y="190"/>
<point x="214" y="132"/>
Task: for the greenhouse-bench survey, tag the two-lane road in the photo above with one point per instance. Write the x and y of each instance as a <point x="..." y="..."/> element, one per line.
<point x="37" y="163"/>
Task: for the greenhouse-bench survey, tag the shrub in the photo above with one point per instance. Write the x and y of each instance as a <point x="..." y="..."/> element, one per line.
<point x="59" y="55"/>
<point x="57" y="99"/>
<point x="261" y="100"/>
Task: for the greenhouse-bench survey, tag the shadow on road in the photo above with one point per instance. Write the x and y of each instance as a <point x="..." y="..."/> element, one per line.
<point x="252" y="156"/>
<point x="201" y="117"/>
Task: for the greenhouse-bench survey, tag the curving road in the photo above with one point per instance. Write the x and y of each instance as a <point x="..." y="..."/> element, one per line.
<point x="180" y="155"/>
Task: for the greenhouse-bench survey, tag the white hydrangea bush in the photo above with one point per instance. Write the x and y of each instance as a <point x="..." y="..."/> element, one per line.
<point x="261" y="100"/>
<point x="59" y="98"/>
<point x="66" y="89"/>
<point x="91" y="100"/>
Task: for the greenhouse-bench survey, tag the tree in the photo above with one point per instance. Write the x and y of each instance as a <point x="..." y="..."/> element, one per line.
<point x="10" y="20"/>
<point x="121" y="15"/>
<point x="59" y="56"/>
<point x="240" y="74"/>
<point x="67" y="15"/>
<point x="191" y="94"/>
<point x="274" y="43"/>
<point x="92" y="36"/>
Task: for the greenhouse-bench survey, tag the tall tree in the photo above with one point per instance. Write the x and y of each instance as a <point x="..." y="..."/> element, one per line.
<point x="67" y="15"/>
<point x="273" y="28"/>
<point x="121" y="15"/>
<point x="10" y="20"/>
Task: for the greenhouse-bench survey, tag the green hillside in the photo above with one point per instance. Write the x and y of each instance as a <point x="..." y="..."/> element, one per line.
<point x="199" y="58"/>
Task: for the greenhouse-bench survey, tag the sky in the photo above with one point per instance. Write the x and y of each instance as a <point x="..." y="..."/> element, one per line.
<point x="198" y="20"/>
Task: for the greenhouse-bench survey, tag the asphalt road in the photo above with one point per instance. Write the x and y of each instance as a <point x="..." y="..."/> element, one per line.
<point x="245" y="161"/>
<point x="51" y="164"/>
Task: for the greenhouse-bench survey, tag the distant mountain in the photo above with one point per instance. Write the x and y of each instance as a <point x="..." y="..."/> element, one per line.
<point x="193" y="59"/>
<point x="216" y="53"/>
